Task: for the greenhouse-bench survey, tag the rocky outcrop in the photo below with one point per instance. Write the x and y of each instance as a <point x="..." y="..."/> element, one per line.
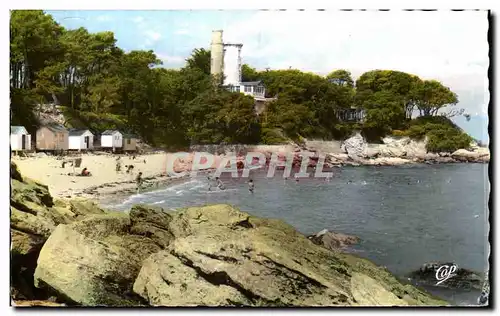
<point x="34" y="216"/>
<point x="200" y="256"/>
<point x="354" y="147"/>
<point x="222" y="256"/>
<point x="333" y="241"/>
<point x="478" y="154"/>
<point x="463" y="279"/>
<point x="206" y="256"/>
<point x="101" y="256"/>
<point x="93" y="262"/>
<point x="401" y="150"/>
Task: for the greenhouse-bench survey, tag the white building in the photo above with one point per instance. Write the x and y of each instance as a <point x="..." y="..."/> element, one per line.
<point x="112" y="139"/>
<point x="81" y="139"/>
<point x="226" y="60"/>
<point x="232" y="64"/>
<point x="19" y="138"/>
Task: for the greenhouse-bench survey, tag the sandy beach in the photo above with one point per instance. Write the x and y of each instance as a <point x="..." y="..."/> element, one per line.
<point x="104" y="180"/>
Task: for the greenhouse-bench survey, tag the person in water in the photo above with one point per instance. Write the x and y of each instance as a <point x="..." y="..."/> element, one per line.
<point x="251" y="186"/>
<point x="209" y="183"/>
<point x="219" y="183"/>
<point x="138" y="181"/>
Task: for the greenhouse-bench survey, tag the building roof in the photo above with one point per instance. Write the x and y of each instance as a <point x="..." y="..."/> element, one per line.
<point x="129" y="135"/>
<point x="110" y="132"/>
<point x="78" y="132"/>
<point x="252" y="83"/>
<point x="54" y="127"/>
<point x="18" y="130"/>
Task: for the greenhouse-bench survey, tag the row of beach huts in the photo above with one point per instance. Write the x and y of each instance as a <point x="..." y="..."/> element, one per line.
<point x="55" y="137"/>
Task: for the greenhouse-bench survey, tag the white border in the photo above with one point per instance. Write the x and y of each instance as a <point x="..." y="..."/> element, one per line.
<point x="184" y="4"/>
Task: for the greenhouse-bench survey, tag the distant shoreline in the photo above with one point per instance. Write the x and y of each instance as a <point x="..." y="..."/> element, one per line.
<point x="105" y="183"/>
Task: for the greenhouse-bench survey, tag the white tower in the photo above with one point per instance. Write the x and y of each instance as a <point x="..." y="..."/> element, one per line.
<point x="232" y="64"/>
<point x="216" y="54"/>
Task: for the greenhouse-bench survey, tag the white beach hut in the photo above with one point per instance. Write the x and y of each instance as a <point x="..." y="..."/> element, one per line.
<point x="20" y="139"/>
<point x="112" y="139"/>
<point x="81" y="139"/>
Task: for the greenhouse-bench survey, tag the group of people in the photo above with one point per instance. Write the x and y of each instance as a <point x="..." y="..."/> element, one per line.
<point x="219" y="185"/>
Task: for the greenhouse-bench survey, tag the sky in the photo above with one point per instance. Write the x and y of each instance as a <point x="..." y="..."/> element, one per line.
<point x="448" y="46"/>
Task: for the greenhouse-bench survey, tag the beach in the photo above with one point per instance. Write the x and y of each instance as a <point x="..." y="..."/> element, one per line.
<point x="63" y="183"/>
<point x="105" y="182"/>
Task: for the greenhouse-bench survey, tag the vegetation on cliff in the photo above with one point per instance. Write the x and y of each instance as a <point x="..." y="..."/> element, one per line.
<point x="101" y="86"/>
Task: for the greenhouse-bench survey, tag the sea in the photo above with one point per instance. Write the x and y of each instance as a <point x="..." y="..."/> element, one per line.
<point x="405" y="216"/>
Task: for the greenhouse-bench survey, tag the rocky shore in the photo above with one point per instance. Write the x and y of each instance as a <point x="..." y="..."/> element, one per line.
<point x="72" y="252"/>
<point x="356" y="151"/>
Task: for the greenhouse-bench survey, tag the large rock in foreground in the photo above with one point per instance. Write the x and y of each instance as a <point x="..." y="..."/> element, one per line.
<point x="207" y="256"/>
<point x="222" y="256"/>
<point x="95" y="261"/>
<point x="33" y="217"/>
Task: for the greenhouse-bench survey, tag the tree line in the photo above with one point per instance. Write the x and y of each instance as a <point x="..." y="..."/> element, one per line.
<point x="100" y="86"/>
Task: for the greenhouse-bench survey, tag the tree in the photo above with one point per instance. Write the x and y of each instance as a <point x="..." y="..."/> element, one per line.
<point x="398" y="83"/>
<point x="341" y="77"/>
<point x="100" y="87"/>
<point x="431" y="96"/>
<point x="199" y="59"/>
<point x="249" y="74"/>
<point x="33" y="43"/>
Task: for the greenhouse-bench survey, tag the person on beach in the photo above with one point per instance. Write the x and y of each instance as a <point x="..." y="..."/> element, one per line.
<point x="85" y="173"/>
<point x="130" y="168"/>
<point x="118" y="164"/>
<point x="251" y="186"/>
<point x="219" y="184"/>
<point x="138" y="181"/>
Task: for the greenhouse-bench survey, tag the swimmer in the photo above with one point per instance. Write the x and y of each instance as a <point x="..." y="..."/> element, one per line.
<point x="251" y="186"/>
<point x="209" y="183"/>
<point x="219" y="183"/>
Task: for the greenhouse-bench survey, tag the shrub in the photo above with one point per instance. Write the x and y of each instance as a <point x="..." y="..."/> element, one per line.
<point x="399" y="133"/>
<point x="270" y="136"/>
<point x="443" y="135"/>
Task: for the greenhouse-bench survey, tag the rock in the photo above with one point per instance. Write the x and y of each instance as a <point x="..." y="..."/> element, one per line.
<point x="34" y="216"/>
<point x="337" y="158"/>
<point x="199" y="256"/>
<point x="354" y="146"/>
<point x="152" y="223"/>
<point x="431" y="156"/>
<point x="464" y="279"/>
<point x="368" y="292"/>
<point x="26" y="303"/>
<point x="24" y="243"/>
<point x="479" y="155"/>
<point x="224" y="257"/>
<point x="390" y="161"/>
<point x="333" y="241"/>
<point x="14" y="172"/>
<point x="94" y="262"/>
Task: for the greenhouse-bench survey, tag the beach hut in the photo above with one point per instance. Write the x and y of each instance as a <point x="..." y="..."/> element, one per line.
<point x="81" y="139"/>
<point x="111" y="139"/>
<point x="19" y="138"/>
<point x="52" y="136"/>
<point x="130" y="142"/>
